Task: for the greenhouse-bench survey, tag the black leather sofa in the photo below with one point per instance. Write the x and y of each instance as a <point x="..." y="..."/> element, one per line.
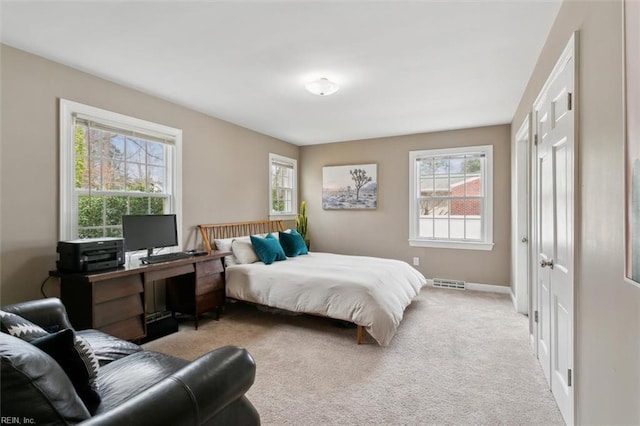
<point x="136" y="386"/>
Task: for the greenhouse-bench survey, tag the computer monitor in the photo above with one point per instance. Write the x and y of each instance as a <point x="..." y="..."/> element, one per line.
<point x="147" y="232"/>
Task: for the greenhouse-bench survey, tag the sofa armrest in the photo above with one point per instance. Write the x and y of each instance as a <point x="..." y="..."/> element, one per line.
<point x="193" y="395"/>
<point x="48" y="313"/>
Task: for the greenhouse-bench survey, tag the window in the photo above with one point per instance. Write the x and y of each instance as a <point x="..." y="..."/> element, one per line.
<point x="451" y="198"/>
<point x="283" y="187"/>
<point x="112" y="165"/>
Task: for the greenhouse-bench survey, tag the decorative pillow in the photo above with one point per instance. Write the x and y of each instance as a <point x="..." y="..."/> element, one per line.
<point x="224" y="244"/>
<point x="268" y="249"/>
<point x="34" y="386"/>
<point x="76" y="359"/>
<point x="243" y="251"/>
<point x="292" y="243"/>
<point x="25" y="330"/>
<point x="17" y="326"/>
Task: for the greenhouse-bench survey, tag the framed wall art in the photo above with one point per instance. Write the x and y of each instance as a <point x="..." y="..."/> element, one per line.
<point x="351" y="187"/>
<point x="632" y="139"/>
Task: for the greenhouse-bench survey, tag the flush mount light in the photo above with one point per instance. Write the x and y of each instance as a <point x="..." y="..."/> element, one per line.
<point x="322" y="87"/>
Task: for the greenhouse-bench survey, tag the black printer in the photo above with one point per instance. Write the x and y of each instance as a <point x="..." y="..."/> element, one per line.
<point x="91" y="254"/>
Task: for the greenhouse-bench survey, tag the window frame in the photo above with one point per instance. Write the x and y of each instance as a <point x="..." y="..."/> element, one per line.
<point x="288" y="215"/>
<point x="487" y="204"/>
<point x="68" y="194"/>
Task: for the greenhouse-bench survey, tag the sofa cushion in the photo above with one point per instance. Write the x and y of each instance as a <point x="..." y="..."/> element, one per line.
<point x="108" y="348"/>
<point x="123" y="379"/>
<point x="76" y="360"/>
<point x="35" y="387"/>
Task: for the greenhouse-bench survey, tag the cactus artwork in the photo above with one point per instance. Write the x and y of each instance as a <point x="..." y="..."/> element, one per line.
<point x="350" y="187"/>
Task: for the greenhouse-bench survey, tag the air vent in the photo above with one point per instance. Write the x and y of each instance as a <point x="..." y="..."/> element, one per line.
<point x="442" y="283"/>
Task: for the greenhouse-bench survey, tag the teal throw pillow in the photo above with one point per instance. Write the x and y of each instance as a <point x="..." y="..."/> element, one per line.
<point x="292" y="243"/>
<point x="268" y="249"/>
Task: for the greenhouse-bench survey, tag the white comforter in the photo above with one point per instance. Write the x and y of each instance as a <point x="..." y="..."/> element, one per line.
<point x="368" y="291"/>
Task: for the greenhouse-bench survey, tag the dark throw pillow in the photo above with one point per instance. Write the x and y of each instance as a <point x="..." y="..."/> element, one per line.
<point x="85" y="363"/>
<point x="292" y="243"/>
<point x="77" y="360"/>
<point x="34" y="386"/>
<point x="268" y="249"/>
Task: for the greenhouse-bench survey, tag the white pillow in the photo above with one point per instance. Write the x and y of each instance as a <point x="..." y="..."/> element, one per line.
<point x="224" y="244"/>
<point x="243" y="251"/>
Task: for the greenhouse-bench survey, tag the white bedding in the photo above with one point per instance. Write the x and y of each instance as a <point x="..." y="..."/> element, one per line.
<point x="368" y="291"/>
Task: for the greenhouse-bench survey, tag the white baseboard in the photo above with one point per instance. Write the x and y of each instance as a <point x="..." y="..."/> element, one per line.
<point x="513" y="299"/>
<point x="488" y="287"/>
<point x="482" y="287"/>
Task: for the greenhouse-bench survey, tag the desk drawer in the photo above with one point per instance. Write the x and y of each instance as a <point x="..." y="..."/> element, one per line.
<point x="207" y="302"/>
<point x="173" y="271"/>
<point x="209" y="267"/>
<point x="130" y="329"/>
<point x="209" y="283"/>
<point x="116" y="288"/>
<point x="117" y="310"/>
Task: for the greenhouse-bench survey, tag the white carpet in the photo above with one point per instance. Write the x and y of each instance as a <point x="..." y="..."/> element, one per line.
<point x="459" y="358"/>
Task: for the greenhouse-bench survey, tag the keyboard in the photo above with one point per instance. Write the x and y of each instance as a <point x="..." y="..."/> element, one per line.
<point x="168" y="257"/>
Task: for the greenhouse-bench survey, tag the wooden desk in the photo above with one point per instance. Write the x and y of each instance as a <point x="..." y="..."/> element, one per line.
<point x="113" y="300"/>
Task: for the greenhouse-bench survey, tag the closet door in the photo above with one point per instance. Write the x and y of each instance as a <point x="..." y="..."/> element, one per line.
<point x="555" y="116"/>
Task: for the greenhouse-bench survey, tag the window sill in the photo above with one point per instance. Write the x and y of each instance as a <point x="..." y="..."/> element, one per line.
<point x="283" y="216"/>
<point x="459" y="245"/>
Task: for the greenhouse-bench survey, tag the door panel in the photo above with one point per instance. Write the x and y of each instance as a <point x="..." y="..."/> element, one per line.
<point x="546" y="245"/>
<point x="562" y="333"/>
<point x="555" y="216"/>
<point x="563" y="242"/>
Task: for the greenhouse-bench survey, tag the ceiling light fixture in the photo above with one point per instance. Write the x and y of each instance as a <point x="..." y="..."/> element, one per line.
<point x="322" y="87"/>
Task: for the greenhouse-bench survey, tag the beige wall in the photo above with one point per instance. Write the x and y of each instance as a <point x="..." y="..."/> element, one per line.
<point x="607" y="309"/>
<point x="225" y="167"/>
<point x="384" y="232"/>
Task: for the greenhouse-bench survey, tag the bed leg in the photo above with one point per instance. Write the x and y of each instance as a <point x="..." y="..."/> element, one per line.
<point x="359" y="335"/>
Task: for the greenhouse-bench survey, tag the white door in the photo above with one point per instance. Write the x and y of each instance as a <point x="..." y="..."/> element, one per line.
<point x="521" y="220"/>
<point x="555" y="174"/>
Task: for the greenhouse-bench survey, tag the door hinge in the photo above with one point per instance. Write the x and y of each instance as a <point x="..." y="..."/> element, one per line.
<point x="569" y="101"/>
<point x="569" y="377"/>
<point x="535" y="140"/>
<point x="535" y="316"/>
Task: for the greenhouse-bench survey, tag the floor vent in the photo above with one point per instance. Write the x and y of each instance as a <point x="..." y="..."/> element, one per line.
<point x="442" y="283"/>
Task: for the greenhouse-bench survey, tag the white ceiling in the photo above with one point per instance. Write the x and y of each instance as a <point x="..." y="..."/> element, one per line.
<point x="403" y="66"/>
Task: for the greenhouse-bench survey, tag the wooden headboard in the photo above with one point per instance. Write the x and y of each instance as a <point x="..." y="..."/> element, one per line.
<point x="238" y="229"/>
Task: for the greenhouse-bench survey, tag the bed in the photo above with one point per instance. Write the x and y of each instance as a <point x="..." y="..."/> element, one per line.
<point x="370" y="292"/>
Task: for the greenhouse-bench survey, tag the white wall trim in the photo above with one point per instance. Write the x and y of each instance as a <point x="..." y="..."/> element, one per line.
<point x="487" y="219"/>
<point x="68" y="204"/>
<point x="287" y="215"/>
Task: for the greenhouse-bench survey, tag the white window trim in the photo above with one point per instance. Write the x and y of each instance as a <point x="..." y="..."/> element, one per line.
<point x="487" y="222"/>
<point x="274" y="215"/>
<point x="68" y="205"/>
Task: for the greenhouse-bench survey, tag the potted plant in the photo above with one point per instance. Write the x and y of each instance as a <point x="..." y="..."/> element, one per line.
<point x="301" y="223"/>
